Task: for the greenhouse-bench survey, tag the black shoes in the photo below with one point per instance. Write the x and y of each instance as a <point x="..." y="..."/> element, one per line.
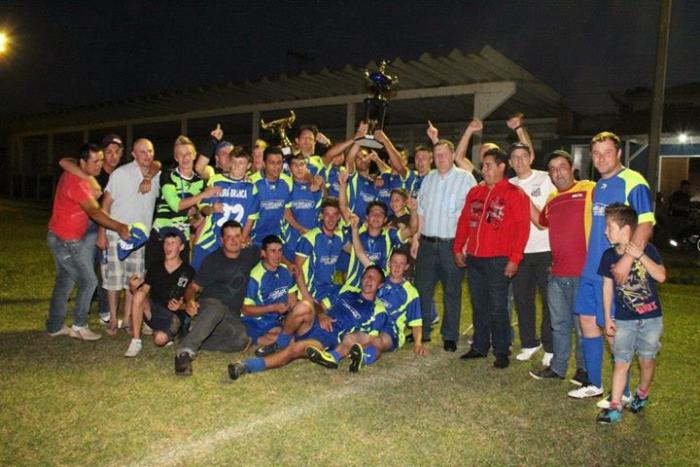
<point x="545" y="373"/>
<point x="501" y="361"/>
<point x="183" y="364"/>
<point x="472" y="354"/>
<point x="236" y="370"/>
<point x="450" y="346"/>
<point x="580" y="378"/>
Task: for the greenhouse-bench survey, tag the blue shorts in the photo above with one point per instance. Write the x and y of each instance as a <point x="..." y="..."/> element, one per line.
<point x="161" y="318"/>
<point x="329" y="340"/>
<point x="256" y="328"/>
<point x="326" y="294"/>
<point x="637" y="335"/>
<point x="589" y="299"/>
<point x="391" y="332"/>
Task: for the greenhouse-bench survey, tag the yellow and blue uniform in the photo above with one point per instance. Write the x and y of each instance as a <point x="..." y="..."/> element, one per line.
<point x="413" y="183"/>
<point x="378" y="250"/>
<point x="304" y="205"/>
<point x="266" y="287"/>
<point x="272" y="198"/>
<point x="392" y="182"/>
<point x="240" y="202"/>
<point x="361" y="192"/>
<point x="321" y="253"/>
<point x="402" y="305"/>
<point x="331" y="175"/>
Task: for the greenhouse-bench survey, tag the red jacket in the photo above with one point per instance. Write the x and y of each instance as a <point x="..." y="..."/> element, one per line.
<point x="494" y="222"/>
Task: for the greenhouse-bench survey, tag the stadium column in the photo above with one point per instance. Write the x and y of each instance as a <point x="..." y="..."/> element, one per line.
<point x="255" y="125"/>
<point x="349" y="119"/>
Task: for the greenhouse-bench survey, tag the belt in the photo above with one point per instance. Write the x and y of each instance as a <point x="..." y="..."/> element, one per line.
<point x="425" y="238"/>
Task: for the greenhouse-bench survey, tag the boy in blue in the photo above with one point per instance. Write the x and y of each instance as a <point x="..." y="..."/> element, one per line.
<point x="618" y="184"/>
<point x="236" y="201"/>
<point x="637" y="324"/>
<point x="273" y="189"/>
<point x="271" y="292"/>
<point x="304" y="327"/>
<point x="302" y="207"/>
<point x="402" y="305"/>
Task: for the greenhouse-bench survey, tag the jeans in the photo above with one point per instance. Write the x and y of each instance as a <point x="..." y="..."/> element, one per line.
<point x="436" y="262"/>
<point x="488" y="286"/>
<point x="214" y="328"/>
<point x="100" y="293"/>
<point x="533" y="274"/>
<point x="74" y="264"/>
<point x="561" y="296"/>
<point x="638" y="335"/>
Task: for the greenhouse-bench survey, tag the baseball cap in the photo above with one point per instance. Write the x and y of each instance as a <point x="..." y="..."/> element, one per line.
<point x="112" y="138"/>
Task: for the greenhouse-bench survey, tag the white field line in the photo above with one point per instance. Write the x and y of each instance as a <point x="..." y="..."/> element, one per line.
<point x="207" y="443"/>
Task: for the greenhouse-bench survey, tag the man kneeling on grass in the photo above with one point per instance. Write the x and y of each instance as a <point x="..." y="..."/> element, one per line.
<point x="402" y="304"/>
<point x="306" y="326"/>
<point x="158" y="299"/>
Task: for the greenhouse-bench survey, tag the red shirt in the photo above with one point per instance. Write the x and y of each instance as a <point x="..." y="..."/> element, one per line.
<point x="494" y="222"/>
<point x="568" y="215"/>
<point x="68" y="220"/>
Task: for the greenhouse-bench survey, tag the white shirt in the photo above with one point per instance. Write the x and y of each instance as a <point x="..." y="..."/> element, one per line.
<point x="538" y="186"/>
<point x="441" y="199"/>
<point x="128" y="204"/>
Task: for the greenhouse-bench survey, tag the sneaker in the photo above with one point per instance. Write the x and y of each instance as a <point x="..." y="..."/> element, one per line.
<point x="183" y="364"/>
<point x="501" y="361"/>
<point x="586" y="392"/>
<point x="321" y="357"/>
<point x="547" y="358"/>
<point x="236" y="370"/>
<point x="604" y="403"/>
<point x="135" y="347"/>
<point x="146" y="330"/>
<point x="580" y="378"/>
<point x="636" y="405"/>
<point x="357" y="358"/>
<point x="545" y="373"/>
<point x="64" y="331"/>
<point x="608" y="416"/>
<point x="266" y="350"/>
<point x="526" y="353"/>
<point x="84" y="333"/>
<point x="104" y="320"/>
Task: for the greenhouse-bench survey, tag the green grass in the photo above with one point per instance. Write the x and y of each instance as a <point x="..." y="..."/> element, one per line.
<point x="64" y="402"/>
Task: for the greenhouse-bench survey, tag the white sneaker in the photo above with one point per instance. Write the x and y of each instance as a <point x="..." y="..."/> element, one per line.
<point x="135" y="347"/>
<point x="146" y="330"/>
<point x="586" y="392"/>
<point x="547" y="358"/>
<point x="604" y="403"/>
<point x="526" y="353"/>
<point x="104" y="320"/>
<point x="64" y="331"/>
<point x="84" y="334"/>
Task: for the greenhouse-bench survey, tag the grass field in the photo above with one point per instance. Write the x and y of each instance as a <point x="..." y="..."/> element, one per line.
<point x="65" y="402"/>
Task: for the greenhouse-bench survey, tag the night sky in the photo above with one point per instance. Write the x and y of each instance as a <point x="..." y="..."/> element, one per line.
<point x="80" y="52"/>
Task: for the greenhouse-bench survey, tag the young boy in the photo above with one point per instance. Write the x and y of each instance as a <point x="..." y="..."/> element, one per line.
<point x="636" y="324"/>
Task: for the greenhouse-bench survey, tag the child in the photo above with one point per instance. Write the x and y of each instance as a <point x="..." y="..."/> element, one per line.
<point x="637" y="323"/>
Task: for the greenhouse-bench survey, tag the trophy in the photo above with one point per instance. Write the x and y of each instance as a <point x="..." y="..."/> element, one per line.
<point x="280" y="126"/>
<point x="379" y="84"/>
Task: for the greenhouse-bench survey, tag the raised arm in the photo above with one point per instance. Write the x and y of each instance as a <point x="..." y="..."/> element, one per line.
<point x="343" y="195"/>
<point x="461" y="158"/>
<point x="516" y="124"/>
<point x="345" y="145"/>
<point x="200" y="167"/>
<point x="360" y="252"/>
<point x="394" y="156"/>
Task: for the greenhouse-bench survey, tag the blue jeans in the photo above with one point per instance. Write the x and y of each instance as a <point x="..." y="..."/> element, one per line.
<point x="74" y="264"/>
<point x="488" y="286"/>
<point x="100" y="293"/>
<point x="561" y="297"/>
<point x="637" y="335"/>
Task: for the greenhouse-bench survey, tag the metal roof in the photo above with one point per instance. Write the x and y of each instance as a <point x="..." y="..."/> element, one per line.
<point x="323" y="88"/>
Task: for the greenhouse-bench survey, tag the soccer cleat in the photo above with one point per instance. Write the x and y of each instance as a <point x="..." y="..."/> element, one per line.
<point x="637" y="404"/>
<point x="545" y="373"/>
<point x="357" y="358"/>
<point x="134" y="349"/>
<point x="266" y="350"/>
<point x="547" y="358"/>
<point x="608" y="416"/>
<point x="580" y="378"/>
<point x="604" y="403"/>
<point x="64" y="331"/>
<point x="236" y="370"/>
<point x="586" y="392"/>
<point x="321" y="357"/>
<point x="183" y="364"/>
<point x="84" y="333"/>
<point x="526" y="353"/>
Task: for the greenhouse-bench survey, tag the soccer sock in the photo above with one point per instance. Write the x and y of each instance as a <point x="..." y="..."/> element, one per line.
<point x="593" y="354"/>
<point x="255" y="365"/>
<point x="283" y="340"/>
<point x="642" y="393"/>
<point x="370" y="355"/>
<point x="335" y="355"/>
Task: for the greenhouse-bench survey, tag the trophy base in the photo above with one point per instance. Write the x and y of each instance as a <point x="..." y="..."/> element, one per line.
<point x="369" y="141"/>
<point x="287" y="151"/>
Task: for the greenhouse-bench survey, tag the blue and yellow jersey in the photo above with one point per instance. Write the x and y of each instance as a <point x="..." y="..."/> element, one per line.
<point x="330" y="175"/>
<point x="321" y="254"/>
<point x="240" y="203"/>
<point x="378" y="249"/>
<point x="266" y="287"/>
<point x="272" y="198"/>
<point x="175" y="187"/>
<point x="627" y="187"/>
<point x="402" y="305"/>
<point x="313" y="163"/>
<point x="304" y="205"/>
<point x="413" y="183"/>
<point x="361" y="192"/>
<point x="354" y="313"/>
<point x="392" y="182"/>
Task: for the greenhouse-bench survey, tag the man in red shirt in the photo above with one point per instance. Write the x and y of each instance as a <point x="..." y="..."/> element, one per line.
<point x="75" y="202"/>
<point x="491" y="235"/>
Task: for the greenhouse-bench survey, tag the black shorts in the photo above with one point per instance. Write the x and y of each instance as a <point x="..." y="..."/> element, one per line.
<point x="161" y="318"/>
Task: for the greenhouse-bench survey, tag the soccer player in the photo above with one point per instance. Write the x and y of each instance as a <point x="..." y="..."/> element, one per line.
<point x="351" y="312"/>
<point x="273" y="188"/>
<point x="237" y="201"/>
<point x="270" y="294"/>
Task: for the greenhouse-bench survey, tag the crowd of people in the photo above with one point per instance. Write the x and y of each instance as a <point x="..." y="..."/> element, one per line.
<point x="335" y="252"/>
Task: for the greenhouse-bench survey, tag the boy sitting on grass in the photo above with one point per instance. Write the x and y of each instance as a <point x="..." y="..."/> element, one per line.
<point x="636" y="324"/>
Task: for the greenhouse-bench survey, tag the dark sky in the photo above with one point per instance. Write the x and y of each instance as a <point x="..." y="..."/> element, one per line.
<point x="80" y="52"/>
